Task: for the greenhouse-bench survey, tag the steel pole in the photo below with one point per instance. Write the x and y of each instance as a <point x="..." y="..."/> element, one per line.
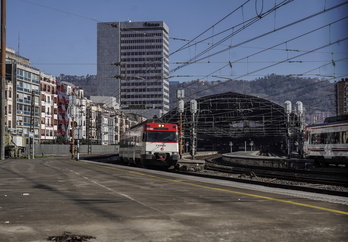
<point x="193" y="137"/>
<point x="72" y="138"/>
<point x="180" y="137"/>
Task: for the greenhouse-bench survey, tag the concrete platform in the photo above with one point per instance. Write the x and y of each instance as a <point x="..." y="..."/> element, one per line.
<point x="49" y="196"/>
<point x="252" y="158"/>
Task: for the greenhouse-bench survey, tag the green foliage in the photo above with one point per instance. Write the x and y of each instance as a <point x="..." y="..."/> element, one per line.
<point x="316" y="94"/>
<point x="61" y="140"/>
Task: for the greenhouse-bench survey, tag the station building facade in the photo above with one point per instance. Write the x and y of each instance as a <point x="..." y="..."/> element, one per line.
<point x="243" y="121"/>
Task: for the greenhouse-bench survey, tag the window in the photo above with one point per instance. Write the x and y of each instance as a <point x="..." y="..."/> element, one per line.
<point x="345" y="137"/>
<point x="165" y="136"/>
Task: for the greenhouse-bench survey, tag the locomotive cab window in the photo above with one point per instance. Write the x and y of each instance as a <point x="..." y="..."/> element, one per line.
<point x="161" y="136"/>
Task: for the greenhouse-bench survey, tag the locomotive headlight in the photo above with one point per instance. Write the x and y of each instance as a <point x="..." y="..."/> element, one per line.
<point x="175" y="153"/>
<point x="148" y="152"/>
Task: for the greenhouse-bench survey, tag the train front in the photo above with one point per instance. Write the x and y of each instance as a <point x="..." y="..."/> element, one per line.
<point x="161" y="144"/>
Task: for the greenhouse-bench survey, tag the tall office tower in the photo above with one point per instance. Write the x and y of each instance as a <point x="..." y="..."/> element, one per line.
<point x="133" y="65"/>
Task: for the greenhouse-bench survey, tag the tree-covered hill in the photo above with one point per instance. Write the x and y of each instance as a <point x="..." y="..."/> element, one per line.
<point x="316" y="94"/>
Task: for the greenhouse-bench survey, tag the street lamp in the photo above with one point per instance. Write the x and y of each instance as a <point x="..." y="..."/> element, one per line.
<point x="251" y="145"/>
<point x="181" y="107"/>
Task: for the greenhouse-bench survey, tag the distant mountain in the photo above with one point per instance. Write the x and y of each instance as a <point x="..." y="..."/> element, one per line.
<point x="88" y="83"/>
<point x="316" y="94"/>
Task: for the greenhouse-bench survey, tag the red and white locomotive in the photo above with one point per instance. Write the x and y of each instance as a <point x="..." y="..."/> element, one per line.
<point x="150" y="144"/>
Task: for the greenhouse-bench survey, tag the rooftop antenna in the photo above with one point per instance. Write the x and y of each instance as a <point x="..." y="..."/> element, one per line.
<point x="19" y="43"/>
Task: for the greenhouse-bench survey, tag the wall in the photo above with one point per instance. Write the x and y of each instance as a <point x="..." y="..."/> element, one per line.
<point x="58" y="149"/>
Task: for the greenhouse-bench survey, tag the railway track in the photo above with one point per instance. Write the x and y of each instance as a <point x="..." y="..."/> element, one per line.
<point x="307" y="176"/>
<point x="323" y="181"/>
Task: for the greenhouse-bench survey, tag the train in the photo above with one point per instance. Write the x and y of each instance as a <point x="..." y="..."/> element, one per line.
<point x="327" y="143"/>
<point x="150" y="144"/>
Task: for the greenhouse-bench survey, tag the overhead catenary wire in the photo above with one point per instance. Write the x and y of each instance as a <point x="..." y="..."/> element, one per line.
<point x="294" y="89"/>
<point x="243" y="27"/>
<point x="272" y="47"/>
<point x="240" y="77"/>
<point x="193" y="60"/>
<point x="255" y="71"/>
<point x="232" y="12"/>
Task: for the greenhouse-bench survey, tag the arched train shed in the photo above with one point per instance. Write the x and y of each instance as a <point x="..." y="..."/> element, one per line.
<point x="234" y="118"/>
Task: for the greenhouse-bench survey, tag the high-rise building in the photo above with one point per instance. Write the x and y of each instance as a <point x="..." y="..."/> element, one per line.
<point x="133" y="65"/>
<point x="342" y="97"/>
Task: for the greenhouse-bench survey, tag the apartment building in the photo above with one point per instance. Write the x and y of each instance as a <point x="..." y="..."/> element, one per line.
<point x="23" y="96"/>
<point x="9" y="108"/>
<point x="49" y="108"/>
<point x="37" y="106"/>
<point x="72" y="107"/>
<point x="341" y="89"/>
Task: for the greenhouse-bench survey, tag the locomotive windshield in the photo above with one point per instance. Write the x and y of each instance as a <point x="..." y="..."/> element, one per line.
<point x="161" y="136"/>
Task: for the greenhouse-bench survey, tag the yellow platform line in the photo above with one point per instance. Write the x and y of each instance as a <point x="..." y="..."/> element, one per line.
<point x="226" y="190"/>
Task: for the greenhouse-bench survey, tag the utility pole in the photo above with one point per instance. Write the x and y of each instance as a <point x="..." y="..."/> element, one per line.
<point x="72" y="138"/>
<point x="32" y="126"/>
<point x="72" y="108"/>
<point x="89" y="128"/>
<point x="3" y="79"/>
<point x="288" y="110"/>
<point x="193" y="107"/>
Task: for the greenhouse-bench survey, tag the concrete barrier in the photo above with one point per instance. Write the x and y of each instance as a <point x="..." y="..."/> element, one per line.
<point x="62" y="149"/>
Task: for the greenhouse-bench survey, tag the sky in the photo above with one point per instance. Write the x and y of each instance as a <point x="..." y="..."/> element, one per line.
<point x="227" y="39"/>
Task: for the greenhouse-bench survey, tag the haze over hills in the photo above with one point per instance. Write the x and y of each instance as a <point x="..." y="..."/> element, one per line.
<point x="316" y="94"/>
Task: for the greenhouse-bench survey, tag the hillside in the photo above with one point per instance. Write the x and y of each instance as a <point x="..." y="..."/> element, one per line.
<point x="315" y="94"/>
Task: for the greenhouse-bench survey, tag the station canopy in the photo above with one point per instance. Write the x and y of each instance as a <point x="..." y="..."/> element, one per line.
<point x="235" y="118"/>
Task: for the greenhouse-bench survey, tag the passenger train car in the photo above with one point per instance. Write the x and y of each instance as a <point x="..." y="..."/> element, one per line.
<point x="150" y="144"/>
<point x="327" y="143"/>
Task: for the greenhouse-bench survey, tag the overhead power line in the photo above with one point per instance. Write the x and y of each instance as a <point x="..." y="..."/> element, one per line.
<point x="185" y="45"/>
<point x="62" y="11"/>
<point x="243" y="27"/>
<point x="193" y="60"/>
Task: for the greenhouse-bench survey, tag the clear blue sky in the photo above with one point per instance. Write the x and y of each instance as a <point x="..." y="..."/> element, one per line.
<point x="59" y="36"/>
